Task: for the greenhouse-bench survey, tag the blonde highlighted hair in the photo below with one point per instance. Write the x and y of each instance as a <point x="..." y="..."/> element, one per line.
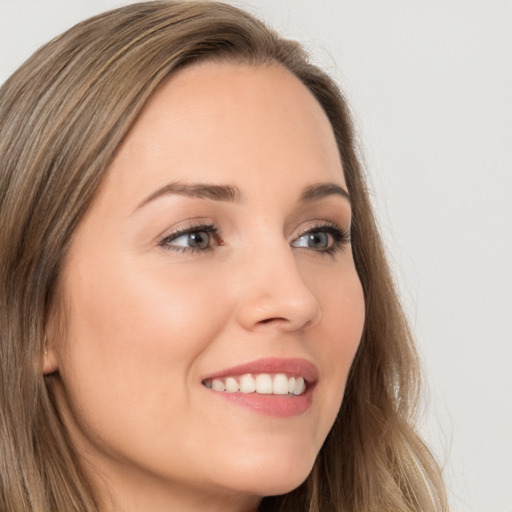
<point x="63" y="115"/>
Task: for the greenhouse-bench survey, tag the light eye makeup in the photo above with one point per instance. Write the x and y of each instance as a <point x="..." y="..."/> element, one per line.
<point x="192" y="239"/>
<point x="323" y="237"/>
<point x="326" y="238"/>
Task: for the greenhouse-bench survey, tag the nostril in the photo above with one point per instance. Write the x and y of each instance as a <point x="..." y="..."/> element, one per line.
<point x="269" y="320"/>
<point x="285" y="308"/>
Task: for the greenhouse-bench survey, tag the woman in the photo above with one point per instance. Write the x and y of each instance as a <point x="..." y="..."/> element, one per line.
<point x="196" y="308"/>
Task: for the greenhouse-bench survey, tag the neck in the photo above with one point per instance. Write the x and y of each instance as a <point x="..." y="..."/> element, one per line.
<point x="133" y="493"/>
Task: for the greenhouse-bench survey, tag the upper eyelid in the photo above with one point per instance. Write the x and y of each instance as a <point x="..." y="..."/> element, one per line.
<point x="318" y="225"/>
<point x="165" y="241"/>
<point x="211" y="226"/>
<point x="200" y="224"/>
<point x="187" y="228"/>
<point x="322" y="225"/>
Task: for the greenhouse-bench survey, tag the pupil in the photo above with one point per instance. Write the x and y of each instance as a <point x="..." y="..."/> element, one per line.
<point x="200" y="239"/>
<point x="319" y="240"/>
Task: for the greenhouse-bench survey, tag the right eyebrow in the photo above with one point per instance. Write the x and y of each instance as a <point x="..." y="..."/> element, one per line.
<point x="228" y="193"/>
<point x="321" y="190"/>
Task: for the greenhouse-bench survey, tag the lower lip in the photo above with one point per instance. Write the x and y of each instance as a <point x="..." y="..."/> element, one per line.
<point x="280" y="406"/>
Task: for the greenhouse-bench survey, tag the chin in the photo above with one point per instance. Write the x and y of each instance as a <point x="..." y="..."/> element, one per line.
<point x="275" y="484"/>
<point x="273" y="476"/>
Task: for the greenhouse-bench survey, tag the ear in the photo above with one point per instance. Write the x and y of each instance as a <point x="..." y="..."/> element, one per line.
<point x="50" y="363"/>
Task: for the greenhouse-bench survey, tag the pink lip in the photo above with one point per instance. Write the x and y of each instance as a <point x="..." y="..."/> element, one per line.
<point x="298" y="367"/>
<point x="271" y="405"/>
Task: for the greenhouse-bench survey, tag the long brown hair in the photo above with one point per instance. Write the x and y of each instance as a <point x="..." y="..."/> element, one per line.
<point x="63" y="115"/>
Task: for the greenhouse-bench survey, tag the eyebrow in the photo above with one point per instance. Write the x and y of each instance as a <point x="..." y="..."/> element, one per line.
<point x="321" y="190"/>
<point x="226" y="193"/>
<point x="232" y="194"/>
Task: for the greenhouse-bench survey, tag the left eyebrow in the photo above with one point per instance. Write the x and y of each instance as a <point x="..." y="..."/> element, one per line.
<point x="321" y="190"/>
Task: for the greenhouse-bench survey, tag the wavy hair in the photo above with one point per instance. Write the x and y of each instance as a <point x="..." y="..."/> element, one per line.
<point x="63" y="115"/>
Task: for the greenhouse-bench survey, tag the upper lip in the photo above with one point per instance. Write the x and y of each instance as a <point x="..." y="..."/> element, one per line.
<point x="292" y="366"/>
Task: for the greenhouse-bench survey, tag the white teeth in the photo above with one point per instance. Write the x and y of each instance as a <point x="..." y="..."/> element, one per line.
<point x="218" y="385"/>
<point x="231" y="385"/>
<point x="280" y="384"/>
<point x="263" y="384"/>
<point x="300" y="386"/>
<point x="247" y="384"/>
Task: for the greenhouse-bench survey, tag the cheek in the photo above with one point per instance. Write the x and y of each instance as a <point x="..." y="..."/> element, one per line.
<point x="343" y="314"/>
<point x="142" y="314"/>
<point x="344" y="318"/>
<point x="133" y="339"/>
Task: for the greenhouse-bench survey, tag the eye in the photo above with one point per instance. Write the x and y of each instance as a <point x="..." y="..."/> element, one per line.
<point x="327" y="238"/>
<point x="197" y="238"/>
<point x="319" y="240"/>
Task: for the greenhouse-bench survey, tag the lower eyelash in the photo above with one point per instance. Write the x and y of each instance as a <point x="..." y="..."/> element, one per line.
<point x="207" y="228"/>
<point x="340" y="236"/>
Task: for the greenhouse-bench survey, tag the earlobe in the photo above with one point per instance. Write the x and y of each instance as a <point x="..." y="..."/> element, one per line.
<point x="49" y="359"/>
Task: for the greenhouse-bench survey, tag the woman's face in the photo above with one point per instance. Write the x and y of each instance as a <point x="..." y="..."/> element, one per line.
<point x="217" y="247"/>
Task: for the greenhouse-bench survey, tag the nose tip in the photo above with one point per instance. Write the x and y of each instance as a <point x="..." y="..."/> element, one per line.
<point x="278" y="298"/>
<point x="295" y="318"/>
<point x="286" y="315"/>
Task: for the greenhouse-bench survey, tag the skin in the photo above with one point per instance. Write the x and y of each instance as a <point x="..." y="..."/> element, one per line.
<point x="146" y="321"/>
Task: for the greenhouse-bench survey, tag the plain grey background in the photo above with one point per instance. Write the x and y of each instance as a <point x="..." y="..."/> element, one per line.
<point x="430" y="83"/>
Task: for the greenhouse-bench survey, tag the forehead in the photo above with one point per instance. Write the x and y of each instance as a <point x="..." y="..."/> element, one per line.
<point x="225" y="122"/>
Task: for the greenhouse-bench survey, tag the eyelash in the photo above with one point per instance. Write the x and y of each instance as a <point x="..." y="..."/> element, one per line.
<point x="340" y="237"/>
<point x="186" y="230"/>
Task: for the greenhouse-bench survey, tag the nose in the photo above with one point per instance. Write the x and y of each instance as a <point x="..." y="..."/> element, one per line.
<point x="274" y="293"/>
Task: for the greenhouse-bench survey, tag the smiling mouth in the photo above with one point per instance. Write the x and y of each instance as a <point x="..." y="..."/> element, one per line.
<point x="272" y="386"/>
<point x="261" y="384"/>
